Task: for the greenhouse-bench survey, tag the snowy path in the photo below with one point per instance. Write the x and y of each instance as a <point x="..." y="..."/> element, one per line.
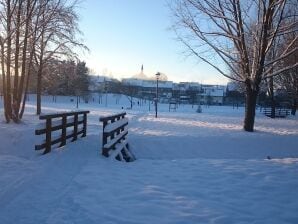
<point x="156" y="191"/>
<point x="191" y="168"/>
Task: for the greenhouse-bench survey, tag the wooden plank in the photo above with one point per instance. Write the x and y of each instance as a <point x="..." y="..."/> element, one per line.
<point x="118" y="148"/>
<point x="107" y="118"/>
<point x="115" y="132"/>
<point x="110" y="128"/>
<point x="46" y="116"/>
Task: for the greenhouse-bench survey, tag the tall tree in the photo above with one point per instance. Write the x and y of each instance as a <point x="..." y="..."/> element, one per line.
<point x="240" y="33"/>
<point x="81" y="81"/>
<point x="58" y="29"/>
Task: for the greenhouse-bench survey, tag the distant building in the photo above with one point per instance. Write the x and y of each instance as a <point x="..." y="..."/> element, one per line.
<point x="183" y="92"/>
<point x="102" y="84"/>
<point x="186" y="92"/>
<point x="213" y="94"/>
<point x="147" y="88"/>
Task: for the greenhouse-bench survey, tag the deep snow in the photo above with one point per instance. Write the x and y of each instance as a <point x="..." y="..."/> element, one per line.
<point x="190" y="168"/>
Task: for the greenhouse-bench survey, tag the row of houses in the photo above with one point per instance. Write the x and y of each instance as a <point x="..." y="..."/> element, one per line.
<point x="183" y="92"/>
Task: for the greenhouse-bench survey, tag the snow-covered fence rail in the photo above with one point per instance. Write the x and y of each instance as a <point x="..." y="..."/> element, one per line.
<point x="114" y="137"/>
<point x="278" y="112"/>
<point x="61" y="122"/>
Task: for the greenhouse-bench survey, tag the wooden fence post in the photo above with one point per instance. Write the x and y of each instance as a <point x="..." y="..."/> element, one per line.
<point x="63" y="135"/>
<point x="84" y="125"/>
<point x="48" y="135"/>
<point x="75" y="128"/>
<point x="104" y="139"/>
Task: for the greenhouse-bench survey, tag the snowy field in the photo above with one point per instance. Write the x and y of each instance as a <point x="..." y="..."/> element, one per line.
<point x="190" y="168"/>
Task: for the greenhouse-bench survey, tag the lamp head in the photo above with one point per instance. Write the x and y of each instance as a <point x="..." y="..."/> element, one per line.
<point x="157" y="75"/>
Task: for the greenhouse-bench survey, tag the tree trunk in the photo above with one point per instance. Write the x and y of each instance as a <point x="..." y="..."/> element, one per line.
<point x="38" y="91"/>
<point x="250" y="108"/>
<point x="26" y="85"/>
<point x="8" y="103"/>
<point x="39" y="76"/>
<point x="24" y="62"/>
<point x="7" y="118"/>
<point x="16" y="65"/>
<point x="271" y="93"/>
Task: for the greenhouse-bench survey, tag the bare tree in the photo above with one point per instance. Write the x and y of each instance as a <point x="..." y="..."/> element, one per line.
<point x="130" y="91"/>
<point x="239" y="33"/>
<point x="57" y="32"/>
<point x="31" y="33"/>
<point x="288" y="80"/>
<point x="10" y="30"/>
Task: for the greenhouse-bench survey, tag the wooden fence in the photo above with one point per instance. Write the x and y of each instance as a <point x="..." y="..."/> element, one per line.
<point x="77" y="121"/>
<point x="278" y="112"/>
<point x="114" y="137"/>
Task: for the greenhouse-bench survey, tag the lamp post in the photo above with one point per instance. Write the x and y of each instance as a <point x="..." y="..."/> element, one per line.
<point x="156" y="98"/>
<point x="106" y="91"/>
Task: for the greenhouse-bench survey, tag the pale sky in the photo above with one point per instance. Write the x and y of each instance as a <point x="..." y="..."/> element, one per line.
<point x="124" y="34"/>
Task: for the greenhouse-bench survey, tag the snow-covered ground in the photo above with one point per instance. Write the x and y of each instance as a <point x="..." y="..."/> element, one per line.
<point x="190" y="168"/>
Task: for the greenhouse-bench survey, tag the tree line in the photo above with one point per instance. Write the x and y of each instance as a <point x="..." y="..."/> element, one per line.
<point x="34" y="34"/>
<point x="68" y="78"/>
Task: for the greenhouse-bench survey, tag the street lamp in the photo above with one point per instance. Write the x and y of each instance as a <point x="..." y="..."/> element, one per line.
<point x="156" y="98"/>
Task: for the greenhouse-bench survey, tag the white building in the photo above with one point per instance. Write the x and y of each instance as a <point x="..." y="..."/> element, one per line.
<point x="213" y="94"/>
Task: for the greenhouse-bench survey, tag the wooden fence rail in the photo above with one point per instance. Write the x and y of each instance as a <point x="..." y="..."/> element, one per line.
<point x="114" y="137"/>
<point x="61" y="121"/>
